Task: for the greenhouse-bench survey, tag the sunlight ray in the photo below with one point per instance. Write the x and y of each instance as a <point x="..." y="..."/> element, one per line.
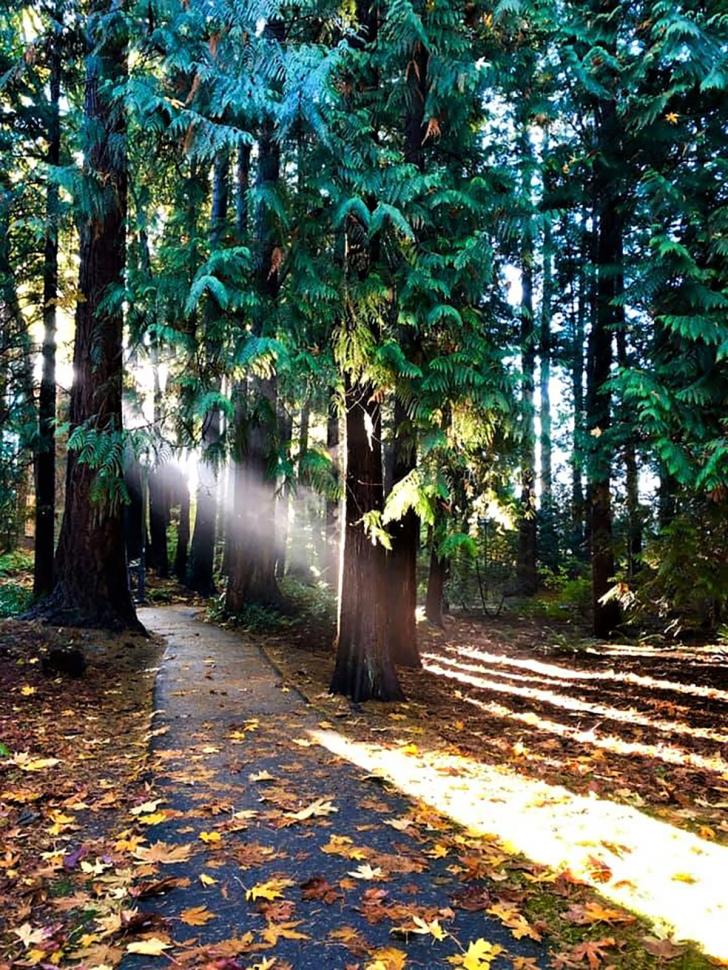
<point x="606" y="742"/>
<point x="668" y="875"/>
<point x="568" y="673"/>
<point x="434" y="664"/>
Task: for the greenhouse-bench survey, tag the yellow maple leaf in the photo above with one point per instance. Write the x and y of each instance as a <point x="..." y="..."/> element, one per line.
<point x="342" y="845"/>
<point x="27" y="691"/>
<point x="388" y="958"/>
<point x="286" y="931"/>
<point x="207" y="880"/>
<point x="268" y="890"/>
<point x="672" y="117"/>
<point x="154" y="818"/>
<point x="210" y="838"/>
<point x="479" y="955"/>
<point x="151" y="947"/>
<point x="196" y="915"/>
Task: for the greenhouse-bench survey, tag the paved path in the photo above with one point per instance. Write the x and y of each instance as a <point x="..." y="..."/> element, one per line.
<point x="222" y="716"/>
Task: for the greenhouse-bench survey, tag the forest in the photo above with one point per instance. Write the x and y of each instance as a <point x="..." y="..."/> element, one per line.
<point x="363" y="351"/>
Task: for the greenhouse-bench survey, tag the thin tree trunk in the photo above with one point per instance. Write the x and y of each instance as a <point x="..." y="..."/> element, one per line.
<point x="91" y="584"/>
<point x="527" y="574"/>
<point x="402" y="559"/>
<point x="579" y="281"/>
<point x="631" y="470"/>
<point x="547" y="545"/>
<point x="45" y="461"/>
<point x="183" y="532"/>
<point x="606" y="321"/>
<point x="333" y="505"/>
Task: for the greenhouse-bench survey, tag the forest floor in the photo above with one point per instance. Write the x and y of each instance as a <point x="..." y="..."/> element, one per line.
<point x="533" y="804"/>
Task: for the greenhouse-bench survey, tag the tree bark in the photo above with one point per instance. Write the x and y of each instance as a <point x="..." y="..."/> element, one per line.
<point x="91" y="584"/>
<point x="526" y="571"/>
<point x="547" y="543"/>
<point x="579" y="310"/>
<point x="402" y="559"/>
<point x="183" y="532"/>
<point x="606" y="320"/>
<point x="364" y="668"/>
<point x="631" y="469"/>
<point x="332" y="525"/>
<point x="159" y="518"/>
<point x="45" y="460"/>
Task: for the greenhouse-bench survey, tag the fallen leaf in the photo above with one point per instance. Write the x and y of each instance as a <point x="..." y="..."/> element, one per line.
<point x="163" y="853"/>
<point x="196" y="916"/>
<point x="151" y="947"/>
<point x="318" y="808"/>
<point x="479" y="955"/>
<point x="286" y="931"/>
<point x="268" y="890"/>
<point x="365" y="871"/>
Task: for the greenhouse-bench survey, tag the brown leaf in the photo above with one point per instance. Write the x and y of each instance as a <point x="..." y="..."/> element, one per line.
<point x="320" y="889"/>
<point x="664" y="949"/>
<point x="157" y="888"/>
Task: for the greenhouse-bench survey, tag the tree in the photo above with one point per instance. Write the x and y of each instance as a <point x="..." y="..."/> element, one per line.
<point x="91" y="587"/>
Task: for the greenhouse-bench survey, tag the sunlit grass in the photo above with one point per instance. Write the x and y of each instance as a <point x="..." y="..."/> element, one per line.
<point x="670" y="876"/>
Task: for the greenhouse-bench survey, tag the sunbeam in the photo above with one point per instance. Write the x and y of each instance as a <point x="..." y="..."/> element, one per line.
<point x="671" y="877"/>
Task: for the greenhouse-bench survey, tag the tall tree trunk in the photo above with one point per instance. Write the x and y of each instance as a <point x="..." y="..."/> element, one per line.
<point x="45" y="460"/>
<point x="364" y="667"/>
<point x="252" y="576"/>
<point x="159" y="518"/>
<point x="134" y="529"/>
<point x="402" y="560"/>
<point x="579" y="310"/>
<point x="183" y="532"/>
<point x="201" y="563"/>
<point x="283" y="499"/>
<point x="606" y="320"/>
<point x="91" y="585"/>
<point x="526" y="570"/>
<point x="234" y="512"/>
<point x="547" y="544"/>
<point x="631" y="469"/>
<point x="333" y="505"/>
<point x="159" y="486"/>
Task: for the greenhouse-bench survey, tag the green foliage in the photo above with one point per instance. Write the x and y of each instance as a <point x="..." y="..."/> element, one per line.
<point x="15" y="590"/>
<point x="684" y="579"/>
